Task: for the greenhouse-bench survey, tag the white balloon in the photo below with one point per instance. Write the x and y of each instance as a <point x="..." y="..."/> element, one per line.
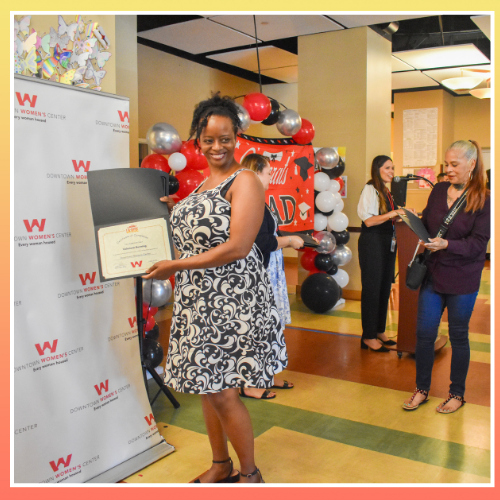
<point x="321" y="181"/>
<point x="341" y="277"/>
<point x="177" y="161"/>
<point x="339" y="206"/>
<point x="320" y="222"/>
<point x="334" y="186"/>
<point x="338" y="221"/>
<point x="337" y="198"/>
<point x="325" y="201"/>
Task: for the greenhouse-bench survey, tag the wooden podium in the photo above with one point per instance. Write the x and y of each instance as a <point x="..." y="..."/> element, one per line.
<point x="408" y="299"/>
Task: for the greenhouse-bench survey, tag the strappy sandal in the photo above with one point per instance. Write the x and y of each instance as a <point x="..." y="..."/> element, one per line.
<point x="451" y="396"/>
<point x="230" y="478"/>
<point x="256" y="471"/>
<point x="265" y="394"/>
<point x="286" y="385"/>
<point x="406" y="406"/>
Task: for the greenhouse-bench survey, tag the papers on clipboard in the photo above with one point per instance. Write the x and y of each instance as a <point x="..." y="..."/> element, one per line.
<point x="415" y="224"/>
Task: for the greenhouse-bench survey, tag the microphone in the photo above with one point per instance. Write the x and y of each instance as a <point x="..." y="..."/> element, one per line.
<point x="411" y="177"/>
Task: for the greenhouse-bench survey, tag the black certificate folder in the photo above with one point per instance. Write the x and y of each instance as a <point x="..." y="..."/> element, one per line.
<point x="131" y="224"/>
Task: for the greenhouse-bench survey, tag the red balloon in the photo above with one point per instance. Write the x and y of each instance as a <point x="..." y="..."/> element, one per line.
<point x="306" y="133"/>
<point x="188" y="182"/>
<point x="148" y="311"/>
<point x="195" y="158"/>
<point x="150" y="323"/>
<point x="156" y="162"/>
<point x="316" y="271"/>
<point x="172" y="280"/>
<point x="341" y="182"/>
<point x="258" y="106"/>
<point x="307" y="260"/>
<point x="205" y="173"/>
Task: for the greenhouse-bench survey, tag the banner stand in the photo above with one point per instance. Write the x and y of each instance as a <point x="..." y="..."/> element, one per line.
<point x="132" y="465"/>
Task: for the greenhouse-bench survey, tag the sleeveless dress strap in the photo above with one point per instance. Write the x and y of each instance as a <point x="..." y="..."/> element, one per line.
<point x="225" y="185"/>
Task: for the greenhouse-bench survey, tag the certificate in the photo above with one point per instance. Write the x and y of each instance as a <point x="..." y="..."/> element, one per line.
<point x="132" y="248"/>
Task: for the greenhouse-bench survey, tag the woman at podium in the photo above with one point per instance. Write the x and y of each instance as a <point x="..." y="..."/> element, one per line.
<point x="453" y="270"/>
<point x="226" y="331"/>
<point x="377" y="253"/>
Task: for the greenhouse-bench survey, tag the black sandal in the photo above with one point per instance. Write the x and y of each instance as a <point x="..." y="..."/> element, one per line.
<point x="253" y="474"/>
<point x="286" y="385"/>
<point x="451" y="396"/>
<point x="265" y="394"/>
<point x="229" y="478"/>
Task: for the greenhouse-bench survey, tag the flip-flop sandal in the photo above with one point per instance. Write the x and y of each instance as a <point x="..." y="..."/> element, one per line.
<point x="407" y="407"/>
<point x="286" y="385"/>
<point x="265" y="394"/>
<point x="439" y="409"/>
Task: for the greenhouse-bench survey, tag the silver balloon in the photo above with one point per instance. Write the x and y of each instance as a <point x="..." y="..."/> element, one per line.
<point x="289" y="122"/>
<point x="327" y="158"/>
<point x="156" y="293"/>
<point x="163" y="139"/>
<point x="326" y="242"/>
<point x="341" y="255"/>
<point x="244" y="117"/>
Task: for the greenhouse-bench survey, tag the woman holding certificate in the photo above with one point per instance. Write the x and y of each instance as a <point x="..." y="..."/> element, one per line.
<point x="226" y="331"/>
<point x="453" y="269"/>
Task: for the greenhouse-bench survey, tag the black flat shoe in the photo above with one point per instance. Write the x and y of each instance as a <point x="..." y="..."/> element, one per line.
<point x="380" y="349"/>
<point x="388" y="342"/>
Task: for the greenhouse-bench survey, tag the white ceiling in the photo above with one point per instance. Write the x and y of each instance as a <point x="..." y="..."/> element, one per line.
<point x="288" y="74"/>
<point x="357" y="20"/>
<point x="197" y="36"/>
<point x="273" y="27"/>
<point x="398" y="65"/>
<point x="270" y="57"/>
<point x="443" y="74"/>
<point x="483" y="23"/>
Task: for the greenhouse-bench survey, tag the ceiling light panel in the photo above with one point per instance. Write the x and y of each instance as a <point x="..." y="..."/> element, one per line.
<point x="445" y="73"/>
<point x="289" y="74"/>
<point x="271" y="27"/>
<point x="411" y="80"/>
<point x="398" y="65"/>
<point x="197" y="36"/>
<point x="355" y="21"/>
<point x="443" y="57"/>
<point x="270" y="57"/>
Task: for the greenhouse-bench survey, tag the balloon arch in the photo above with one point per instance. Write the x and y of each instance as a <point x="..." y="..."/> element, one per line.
<point x="322" y="289"/>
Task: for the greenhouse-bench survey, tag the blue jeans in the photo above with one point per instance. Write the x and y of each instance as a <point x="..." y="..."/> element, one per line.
<point x="431" y="305"/>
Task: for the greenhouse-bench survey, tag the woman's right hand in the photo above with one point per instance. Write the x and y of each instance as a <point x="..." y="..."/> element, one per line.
<point x="169" y="201"/>
<point x="296" y="242"/>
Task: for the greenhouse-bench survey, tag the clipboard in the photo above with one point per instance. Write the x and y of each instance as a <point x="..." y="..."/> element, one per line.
<point x="122" y="196"/>
<point x="415" y="224"/>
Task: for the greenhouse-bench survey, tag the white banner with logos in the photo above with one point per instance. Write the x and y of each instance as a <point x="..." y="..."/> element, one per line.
<point x="80" y="405"/>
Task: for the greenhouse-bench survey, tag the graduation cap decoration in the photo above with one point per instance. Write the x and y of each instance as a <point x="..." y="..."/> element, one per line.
<point x="304" y="165"/>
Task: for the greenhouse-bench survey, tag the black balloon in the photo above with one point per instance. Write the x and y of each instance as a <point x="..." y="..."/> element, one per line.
<point x="338" y="170"/>
<point x="152" y="352"/>
<point x="333" y="270"/>
<point x="342" y="238"/>
<point x="173" y="185"/>
<point x="323" y="261"/>
<point x="320" y="292"/>
<point x="275" y="113"/>
<point x="154" y="333"/>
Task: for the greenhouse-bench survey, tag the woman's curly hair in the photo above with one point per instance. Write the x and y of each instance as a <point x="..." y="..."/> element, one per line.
<point x="215" y="106"/>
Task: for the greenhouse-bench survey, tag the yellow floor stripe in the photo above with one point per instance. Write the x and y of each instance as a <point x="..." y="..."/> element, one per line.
<point x="291" y="457"/>
<point x="382" y="407"/>
<point x="480" y="357"/>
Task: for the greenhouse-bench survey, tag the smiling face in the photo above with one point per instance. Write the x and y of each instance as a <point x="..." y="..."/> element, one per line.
<point x="217" y="141"/>
<point x="387" y="171"/>
<point x="265" y="176"/>
<point x="458" y="168"/>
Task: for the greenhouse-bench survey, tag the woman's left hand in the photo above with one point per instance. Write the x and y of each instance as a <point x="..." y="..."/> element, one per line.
<point x="436" y="244"/>
<point x="161" y="270"/>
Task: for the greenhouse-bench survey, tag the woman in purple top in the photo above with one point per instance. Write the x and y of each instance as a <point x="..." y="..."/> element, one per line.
<point x="453" y="270"/>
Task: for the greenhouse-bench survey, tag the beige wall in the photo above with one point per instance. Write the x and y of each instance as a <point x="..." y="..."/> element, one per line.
<point x="126" y="76"/>
<point x="170" y="87"/>
<point x="472" y="120"/>
<point x="42" y="25"/>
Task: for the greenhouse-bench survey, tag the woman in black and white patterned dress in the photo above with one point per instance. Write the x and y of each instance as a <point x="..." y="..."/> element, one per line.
<point x="226" y="331"/>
